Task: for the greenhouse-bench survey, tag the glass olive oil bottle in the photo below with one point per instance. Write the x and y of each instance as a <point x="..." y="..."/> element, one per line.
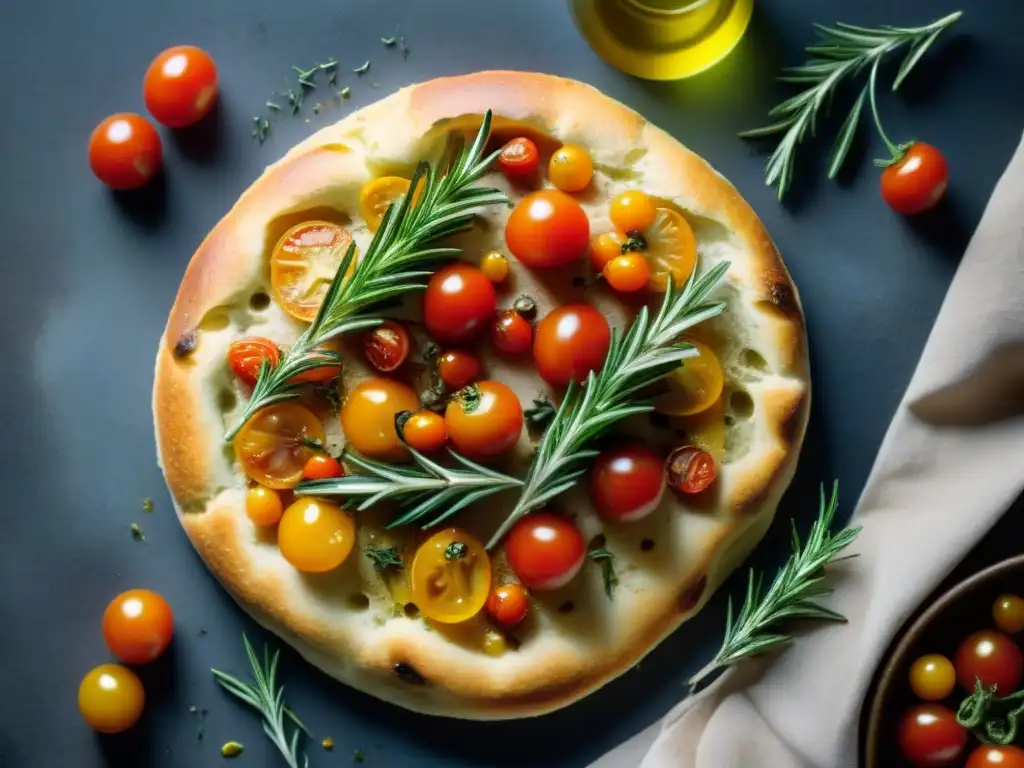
<point x="662" y="39"/>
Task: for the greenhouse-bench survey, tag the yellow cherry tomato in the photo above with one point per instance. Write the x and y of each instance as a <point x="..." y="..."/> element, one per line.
<point x="1008" y="613"/>
<point x="604" y="248"/>
<point x="932" y="677"/>
<point x="694" y="386"/>
<point x="315" y="535"/>
<point x="450" y="576"/>
<point x="627" y="273"/>
<point x="304" y="263"/>
<point x="368" y="417"/>
<point x="632" y="211"/>
<point x="494" y="643"/>
<point x="671" y="248"/>
<point x="263" y="505"/>
<point x="494" y="265"/>
<point x="111" y="698"/>
<point x="275" y="444"/>
<point x="377" y="195"/>
<point x="570" y="168"/>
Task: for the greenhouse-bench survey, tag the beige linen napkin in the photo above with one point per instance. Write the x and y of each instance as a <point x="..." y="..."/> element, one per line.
<point x="932" y="493"/>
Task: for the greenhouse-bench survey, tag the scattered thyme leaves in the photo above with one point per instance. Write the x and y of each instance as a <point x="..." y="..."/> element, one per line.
<point x="455" y="551"/>
<point x="273" y="107"/>
<point x="389" y="41"/>
<point x="294" y="100"/>
<point x="147" y="504"/>
<point x="137" y="533"/>
<point x="261" y="128"/>
<point x="607" y="561"/>
<point x="358" y="756"/>
<point x="384" y="558"/>
<point x="362" y="69"/>
<point x="345" y="93"/>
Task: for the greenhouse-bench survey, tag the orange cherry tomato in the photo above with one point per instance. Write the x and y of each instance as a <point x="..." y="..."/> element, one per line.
<point x="604" y="248"/>
<point x="991" y="657"/>
<point x="570" y="342"/>
<point x="246" y="356"/>
<point x="991" y="756"/>
<point x="180" y="86"/>
<point x="511" y="333"/>
<point x="930" y="737"/>
<point x="377" y="196"/>
<point x="457" y="368"/>
<point x="425" y="431"/>
<point x="125" y="151"/>
<point x="627" y="482"/>
<point x="519" y="160"/>
<point x="111" y="698"/>
<point x="484" y="419"/>
<point x="368" y="417"/>
<point x="508" y="604"/>
<point x="304" y="262"/>
<point x="917" y="182"/>
<point x="458" y="304"/>
<point x="387" y="346"/>
<point x="321" y="467"/>
<point x="570" y="168"/>
<point x="494" y="265"/>
<point x="670" y="248"/>
<point x="632" y="211"/>
<point x="275" y="444"/>
<point x="628" y="273"/>
<point x="690" y="470"/>
<point x="694" y="386"/>
<point x="545" y="551"/>
<point x="138" y="625"/>
<point x="263" y="505"/>
<point x="315" y="536"/>
<point x="1008" y="613"/>
<point x="547" y="229"/>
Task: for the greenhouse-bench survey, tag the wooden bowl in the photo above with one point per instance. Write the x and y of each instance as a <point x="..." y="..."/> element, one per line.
<point x="951" y="616"/>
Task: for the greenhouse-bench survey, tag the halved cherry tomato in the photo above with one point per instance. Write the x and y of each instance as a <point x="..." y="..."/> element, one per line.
<point x="425" y="431"/>
<point x="263" y="505"/>
<point x="1008" y="613"/>
<point x="303" y="264"/>
<point x="494" y="265"/>
<point x="457" y="368"/>
<point x="508" y="604"/>
<point x="511" y="333"/>
<point x="180" y="86"/>
<point x="930" y="736"/>
<point x="632" y="210"/>
<point x="990" y="756"/>
<point x="671" y="249"/>
<point x="628" y="482"/>
<point x="368" y="417"/>
<point x="377" y="196"/>
<point x="991" y="657"/>
<point x="458" y="304"/>
<point x="932" y="677"/>
<point x="570" y="168"/>
<point x="917" y="182"/>
<point x="315" y="536"/>
<point x="246" y="356"/>
<point x="138" y="626"/>
<point x="321" y="467"/>
<point x="547" y="229"/>
<point x="690" y="470"/>
<point x="628" y="273"/>
<point x="125" y="151"/>
<point x="275" y="444"/>
<point x="450" y="576"/>
<point x="387" y="346"/>
<point x="111" y="698"/>
<point x="604" y="248"/>
<point x="570" y="342"/>
<point x="519" y="160"/>
<point x="545" y="551"/>
<point x="694" y="386"/>
<point x="484" y="419"/>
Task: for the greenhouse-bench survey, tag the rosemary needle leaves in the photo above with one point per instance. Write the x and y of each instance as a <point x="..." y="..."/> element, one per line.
<point x="265" y="697"/>
<point x="395" y="263"/>
<point x="791" y="595"/>
<point x="842" y="52"/>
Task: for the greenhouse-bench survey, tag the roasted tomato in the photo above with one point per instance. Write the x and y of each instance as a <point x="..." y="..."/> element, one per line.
<point x="450" y="576"/>
<point x="377" y="196"/>
<point x="932" y="677"/>
<point x="930" y="736"/>
<point x="180" y="86"/>
<point x="368" y="417"/>
<point x="387" y="346"/>
<point x="138" y="626"/>
<point x="1008" y="613"/>
<point x="508" y="604"/>
<point x="303" y="264"/>
<point x="111" y="698"/>
<point x="694" y="386"/>
<point x="690" y="470"/>
<point x="125" y="151"/>
<point x="457" y="368"/>
<point x="570" y="168"/>
<point x="315" y="535"/>
<point x="425" y="431"/>
<point x="627" y="483"/>
<point x="484" y="419"/>
<point x="547" y="229"/>
<point x="275" y="444"/>
<point x="511" y="333"/>
<point x="246" y="356"/>
<point x="263" y="505"/>
<point x="458" y="304"/>
<point x="918" y="181"/>
<point x="570" y="342"/>
<point x="545" y="551"/>
<point x="993" y="658"/>
<point x="989" y="756"/>
<point x="321" y="466"/>
<point x="519" y="160"/>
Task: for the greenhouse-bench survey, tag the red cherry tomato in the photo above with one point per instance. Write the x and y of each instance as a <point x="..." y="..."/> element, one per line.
<point x="690" y="470"/>
<point x="628" y="482"/>
<point x="180" y="86"/>
<point x="993" y="658"/>
<point x="508" y="604"/>
<point x="545" y="551"/>
<point x="987" y="756"/>
<point x="547" y="229"/>
<point x="458" y="368"/>
<point x="246" y="356"/>
<point x="125" y="151"/>
<point x="519" y="160"/>
<point x="917" y="182"/>
<point x="138" y="625"/>
<point x="511" y="333"/>
<point x="458" y="303"/>
<point x="387" y="346"/>
<point x="570" y="342"/>
<point x="321" y="466"/>
<point x="930" y="736"/>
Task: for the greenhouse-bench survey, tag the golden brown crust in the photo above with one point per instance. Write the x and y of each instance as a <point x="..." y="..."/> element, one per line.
<point x="567" y="656"/>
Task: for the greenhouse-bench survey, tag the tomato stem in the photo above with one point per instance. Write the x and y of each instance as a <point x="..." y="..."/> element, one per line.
<point x="897" y="152"/>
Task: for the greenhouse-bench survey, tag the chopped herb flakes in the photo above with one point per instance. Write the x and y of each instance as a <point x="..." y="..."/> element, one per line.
<point x="389" y="41"/>
<point x="384" y="558"/>
<point x="147" y="505"/>
<point x="358" y="756"/>
<point x="363" y="69"/>
<point x="607" y="560"/>
<point x="137" y="533"/>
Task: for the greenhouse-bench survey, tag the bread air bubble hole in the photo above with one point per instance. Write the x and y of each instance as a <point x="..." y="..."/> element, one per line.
<point x="752" y="359"/>
<point x="259" y="301"/>
<point x="217" y="319"/>
<point x="226" y="399"/>
<point x="357" y="601"/>
<point x="647" y="545"/>
<point x="597" y="542"/>
<point x="566" y="607"/>
<point x="741" y="404"/>
<point x="729" y="420"/>
<point x="411" y="610"/>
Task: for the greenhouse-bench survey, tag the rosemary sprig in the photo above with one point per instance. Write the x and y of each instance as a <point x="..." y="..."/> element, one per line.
<point x="790" y="596"/>
<point x="427" y="490"/>
<point x="649" y="350"/>
<point x="392" y="265"/>
<point x="265" y="697"/>
<point x="842" y="51"/>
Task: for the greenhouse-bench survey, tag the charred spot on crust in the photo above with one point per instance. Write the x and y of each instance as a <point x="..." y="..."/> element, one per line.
<point x="407" y="673"/>
<point x="186" y="344"/>
<point x="783" y="297"/>
<point x="690" y="596"/>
